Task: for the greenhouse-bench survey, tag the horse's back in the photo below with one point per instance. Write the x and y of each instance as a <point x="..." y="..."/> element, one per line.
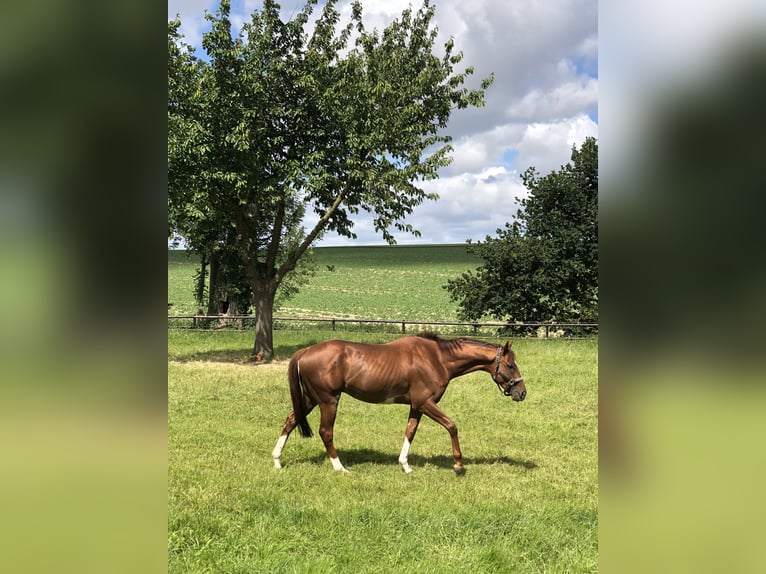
<point x="338" y="346"/>
<point x="398" y="350"/>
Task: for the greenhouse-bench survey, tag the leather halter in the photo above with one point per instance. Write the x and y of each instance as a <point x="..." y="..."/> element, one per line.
<point x="507" y="383"/>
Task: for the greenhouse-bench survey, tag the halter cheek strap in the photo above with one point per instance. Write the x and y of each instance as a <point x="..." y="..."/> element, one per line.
<point x="509" y="383"/>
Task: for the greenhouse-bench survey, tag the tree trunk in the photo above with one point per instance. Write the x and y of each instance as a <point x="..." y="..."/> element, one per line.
<point x="264" y="317"/>
<point x="212" y="294"/>
<point x="199" y="288"/>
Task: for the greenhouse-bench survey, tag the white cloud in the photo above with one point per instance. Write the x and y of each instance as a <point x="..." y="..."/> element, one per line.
<point x="471" y="206"/>
<point x="192" y="14"/>
<point x="560" y="101"/>
<point x="547" y="146"/>
<point x="469" y="154"/>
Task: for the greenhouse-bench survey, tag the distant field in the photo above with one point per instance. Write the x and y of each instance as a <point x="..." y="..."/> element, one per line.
<point x="381" y="282"/>
<point x="181" y="268"/>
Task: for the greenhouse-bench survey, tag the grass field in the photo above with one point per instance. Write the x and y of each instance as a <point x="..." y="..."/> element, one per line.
<point x="401" y="282"/>
<point x="528" y="501"/>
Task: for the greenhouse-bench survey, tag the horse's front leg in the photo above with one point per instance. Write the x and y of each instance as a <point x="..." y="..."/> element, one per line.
<point x="326" y="426"/>
<point x="434" y="412"/>
<point x="409" y="435"/>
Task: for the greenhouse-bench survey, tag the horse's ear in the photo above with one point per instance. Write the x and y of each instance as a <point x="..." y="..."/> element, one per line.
<point x="507" y="346"/>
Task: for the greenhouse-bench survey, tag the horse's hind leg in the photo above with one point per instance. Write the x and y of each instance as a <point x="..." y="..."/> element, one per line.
<point x="409" y="435"/>
<point x="326" y="425"/>
<point x="289" y="426"/>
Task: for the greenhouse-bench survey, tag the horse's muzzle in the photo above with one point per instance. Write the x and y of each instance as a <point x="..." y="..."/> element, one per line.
<point x="518" y="392"/>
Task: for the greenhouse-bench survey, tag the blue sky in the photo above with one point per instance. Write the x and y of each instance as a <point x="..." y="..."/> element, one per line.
<point x="544" y="100"/>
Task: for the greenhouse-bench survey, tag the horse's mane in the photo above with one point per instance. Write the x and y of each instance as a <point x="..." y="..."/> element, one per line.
<point x="453" y="343"/>
<point x="429" y="335"/>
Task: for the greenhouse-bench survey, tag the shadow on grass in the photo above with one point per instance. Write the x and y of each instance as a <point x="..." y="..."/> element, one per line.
<point x="238" y="356"/>
<point x="367" y="456"/>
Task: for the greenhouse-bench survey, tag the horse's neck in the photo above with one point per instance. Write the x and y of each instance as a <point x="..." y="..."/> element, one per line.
<point x="469" y="357"/>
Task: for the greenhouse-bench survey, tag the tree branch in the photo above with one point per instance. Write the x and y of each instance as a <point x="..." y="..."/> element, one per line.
<point x="276" y="234"/>
<point x="293" y="258"/>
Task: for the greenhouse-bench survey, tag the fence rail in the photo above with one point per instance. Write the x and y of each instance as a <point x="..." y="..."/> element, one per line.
<point x="544" y="330"/>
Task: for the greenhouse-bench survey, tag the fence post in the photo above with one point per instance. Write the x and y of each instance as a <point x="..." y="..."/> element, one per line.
<point x="333" y="324"/>
<point x="403" y="327"/>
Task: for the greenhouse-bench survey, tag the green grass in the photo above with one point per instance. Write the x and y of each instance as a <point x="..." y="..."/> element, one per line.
<point x="528" y="501"/>
<point x="181" y="268"/>
<point x="401" y="282"/>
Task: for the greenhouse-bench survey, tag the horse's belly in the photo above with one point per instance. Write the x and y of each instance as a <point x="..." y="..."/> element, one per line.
<point x="388" y="395"/>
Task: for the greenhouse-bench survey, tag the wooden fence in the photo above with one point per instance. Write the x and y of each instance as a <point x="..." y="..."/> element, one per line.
<point x="542" y="330"/>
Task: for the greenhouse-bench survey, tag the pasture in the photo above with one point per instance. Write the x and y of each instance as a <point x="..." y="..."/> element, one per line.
<point x="357" y="282"/>
<point x="527" y="503"/>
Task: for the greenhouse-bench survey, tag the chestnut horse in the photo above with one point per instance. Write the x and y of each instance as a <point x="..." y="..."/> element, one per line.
<point x="412" y="370"/>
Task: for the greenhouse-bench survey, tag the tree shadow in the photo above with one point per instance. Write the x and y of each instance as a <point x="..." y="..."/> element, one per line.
<point x="232" y="356"/>
<point x="239" y="356"/>
<point x="367" y="456"/>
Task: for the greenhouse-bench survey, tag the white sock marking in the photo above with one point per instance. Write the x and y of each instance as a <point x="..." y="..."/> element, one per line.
<point x="277" y="452"/>
<point x="403" y="456"/>
<point x="337" y="465"/>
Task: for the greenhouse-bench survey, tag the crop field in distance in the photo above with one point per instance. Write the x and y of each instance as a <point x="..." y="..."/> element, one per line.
<point x="373" y="282"/>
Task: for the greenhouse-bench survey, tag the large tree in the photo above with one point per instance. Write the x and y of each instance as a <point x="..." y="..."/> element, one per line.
<point x="307" y="115"/>
<point x="544" y="265"/>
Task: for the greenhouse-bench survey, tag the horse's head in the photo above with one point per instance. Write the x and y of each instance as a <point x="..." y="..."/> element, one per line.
<point x="507" y="375"/>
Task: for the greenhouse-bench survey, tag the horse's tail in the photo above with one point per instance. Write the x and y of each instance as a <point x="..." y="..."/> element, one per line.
<point x="296" y="394"/>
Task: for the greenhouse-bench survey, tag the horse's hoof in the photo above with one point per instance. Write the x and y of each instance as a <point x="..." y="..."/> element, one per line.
<point x="459" y="470"/>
